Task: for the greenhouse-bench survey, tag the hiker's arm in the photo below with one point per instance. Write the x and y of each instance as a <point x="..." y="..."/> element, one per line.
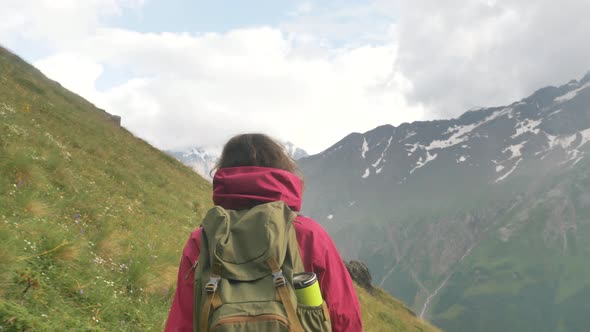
<point x="180" y="318"/>
<point x="337" y="288"/>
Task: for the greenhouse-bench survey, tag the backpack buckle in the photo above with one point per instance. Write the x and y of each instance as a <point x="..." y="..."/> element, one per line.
<point x="211" y="286"/>
<point x="278" y="279"/>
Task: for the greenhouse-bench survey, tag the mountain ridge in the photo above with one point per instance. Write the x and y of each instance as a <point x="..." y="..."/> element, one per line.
<point x="419" y="200"/>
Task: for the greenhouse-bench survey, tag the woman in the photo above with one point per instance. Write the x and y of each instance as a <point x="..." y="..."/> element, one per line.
<point x="254" y="169"/>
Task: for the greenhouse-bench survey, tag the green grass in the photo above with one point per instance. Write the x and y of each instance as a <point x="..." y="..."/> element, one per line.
<point x="377" y="312"/>
<point x="93" y="219"/>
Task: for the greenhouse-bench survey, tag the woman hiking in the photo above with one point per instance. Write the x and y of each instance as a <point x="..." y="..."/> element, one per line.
<point x="253" y="170"/>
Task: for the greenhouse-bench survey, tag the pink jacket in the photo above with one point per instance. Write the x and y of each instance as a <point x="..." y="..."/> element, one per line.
<point x="243" y="187"/>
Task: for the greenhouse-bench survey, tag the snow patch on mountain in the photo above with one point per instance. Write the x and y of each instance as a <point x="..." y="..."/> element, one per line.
<point x="571" y="94"/>
<point x="460" y="133"/>
<point x="563" y="141"/>
<point x="382" y="154"/>
<point x="378" y="161"/>
<point x="364" y="148"/>
<point x="576" y="154"/>
<point x="515" y="150"/>
<point x="577" y="160"/>
<point x="421" y="163"/>
<point x="554" y="112"/>
<point x="585" y="137"/>
<point x="527" y="126"/>
<point x="413" y="148"/>
<point x="366" y="174"/>
<point x="509" y="172"/>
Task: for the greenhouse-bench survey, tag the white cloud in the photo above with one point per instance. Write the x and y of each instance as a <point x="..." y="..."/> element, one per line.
<point x="74" y="72"/>
<point x="463" y="53"/>
<point x="334" y="68"/>
<point x="200" y="89"/>
<point x="460" y="54"/>
<point x="56" y="23"/>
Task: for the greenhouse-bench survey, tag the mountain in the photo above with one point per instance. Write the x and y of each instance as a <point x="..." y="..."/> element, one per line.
<point x="481" y="223"/>
<point x="93" y="219"/>
<point x="202" y="160"/>
<point x="294" y="151"/>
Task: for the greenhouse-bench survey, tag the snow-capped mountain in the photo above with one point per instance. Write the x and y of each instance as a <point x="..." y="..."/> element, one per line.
<point x="202" y="159"/>
<point x="551" y="125"/>
<point x="294" y="151"/>
<point x="436" y="208"/>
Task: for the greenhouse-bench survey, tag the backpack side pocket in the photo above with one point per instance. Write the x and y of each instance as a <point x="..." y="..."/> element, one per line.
<point x="314" y="318"/>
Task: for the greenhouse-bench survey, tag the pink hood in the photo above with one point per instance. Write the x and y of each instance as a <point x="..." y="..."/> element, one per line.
<point x="238" y="188"/>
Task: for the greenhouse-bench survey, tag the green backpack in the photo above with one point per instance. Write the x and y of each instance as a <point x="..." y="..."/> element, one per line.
<point x="243" y="280"/>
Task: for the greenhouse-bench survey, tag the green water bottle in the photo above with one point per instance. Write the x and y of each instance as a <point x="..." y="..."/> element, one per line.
<point x="307" y="289"/>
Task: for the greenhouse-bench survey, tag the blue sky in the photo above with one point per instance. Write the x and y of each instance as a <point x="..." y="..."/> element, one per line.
<point x="203" y="16"/>
<point x="192" y="73"/>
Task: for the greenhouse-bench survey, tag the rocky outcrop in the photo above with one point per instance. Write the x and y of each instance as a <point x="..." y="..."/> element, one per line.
<point x="359" y="272"/>
<point x="115" y="118"/>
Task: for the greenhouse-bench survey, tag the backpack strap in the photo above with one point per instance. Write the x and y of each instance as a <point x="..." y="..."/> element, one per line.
<point x="212" y="298"/>
<point x="281" y="286"/>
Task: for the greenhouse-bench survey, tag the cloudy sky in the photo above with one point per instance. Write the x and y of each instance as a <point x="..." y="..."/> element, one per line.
<point x="192" y="73"/>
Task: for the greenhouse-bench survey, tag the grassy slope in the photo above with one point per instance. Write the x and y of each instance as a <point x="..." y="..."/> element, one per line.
<point x="534" y="281"/>
<point x="377" y="312"/>
<point x="92" y="219"/>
